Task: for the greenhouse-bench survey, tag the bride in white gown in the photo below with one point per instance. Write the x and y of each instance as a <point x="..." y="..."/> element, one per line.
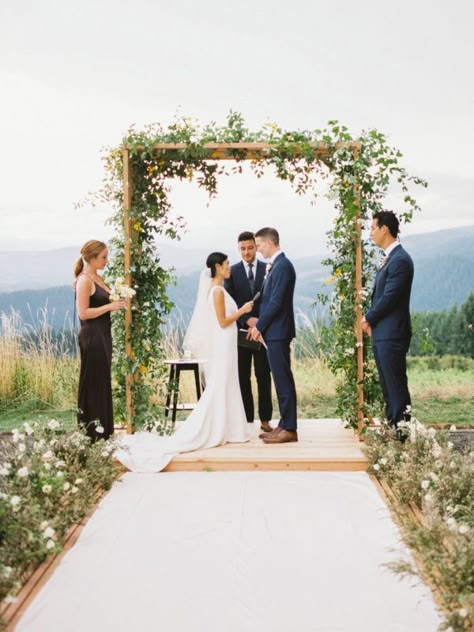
<point x="219" y="416"/>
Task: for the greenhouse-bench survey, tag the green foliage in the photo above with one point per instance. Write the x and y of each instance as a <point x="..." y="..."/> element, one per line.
<point x="427" y="472"/>
<point x="358" y="180"/>
<point x="445" y="333"/>
<point x="49" y="480"/>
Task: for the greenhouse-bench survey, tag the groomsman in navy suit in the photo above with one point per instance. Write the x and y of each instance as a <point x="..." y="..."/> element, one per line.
<point x="388" y="319"/>
<point x="245" y="281"/>
<point x="276" y="325"/>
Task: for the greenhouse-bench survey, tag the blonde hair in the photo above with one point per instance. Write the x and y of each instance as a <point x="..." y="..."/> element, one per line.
<point x="89" y="250"/>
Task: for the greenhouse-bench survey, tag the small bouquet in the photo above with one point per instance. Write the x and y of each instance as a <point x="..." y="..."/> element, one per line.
<point x="120" y="290"/>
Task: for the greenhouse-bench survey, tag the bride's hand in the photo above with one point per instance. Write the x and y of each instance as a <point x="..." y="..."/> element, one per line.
<point x="246" y="308"/>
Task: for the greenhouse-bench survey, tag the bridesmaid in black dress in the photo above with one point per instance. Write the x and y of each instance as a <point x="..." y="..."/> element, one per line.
<point x="95" y="409"/>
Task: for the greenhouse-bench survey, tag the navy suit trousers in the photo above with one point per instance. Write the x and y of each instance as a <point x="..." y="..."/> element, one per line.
<point x="280" y="365"/>
<point x="391" y="359"/>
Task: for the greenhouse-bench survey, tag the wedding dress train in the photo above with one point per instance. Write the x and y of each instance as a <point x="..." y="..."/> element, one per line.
<point x="219" y="416"/>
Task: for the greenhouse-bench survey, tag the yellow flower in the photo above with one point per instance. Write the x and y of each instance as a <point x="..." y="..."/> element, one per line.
<point x="189" y="174"/>
<point x="151" y="168"/>
<point x="330" y="280"/>
<point x="338" y="272"/>
<point x="138" y="227"/>
<point x="142" y="368"/>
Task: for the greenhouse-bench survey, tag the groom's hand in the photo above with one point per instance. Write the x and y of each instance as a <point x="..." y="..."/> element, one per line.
<point x="252" y="322"/>
<point x="256" y="335"/>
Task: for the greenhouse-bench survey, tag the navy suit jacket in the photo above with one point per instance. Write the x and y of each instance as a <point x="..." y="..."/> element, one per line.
<point x="389" y="314"/>
<point x="277" y="319"/>
<point x="238" y="287"/>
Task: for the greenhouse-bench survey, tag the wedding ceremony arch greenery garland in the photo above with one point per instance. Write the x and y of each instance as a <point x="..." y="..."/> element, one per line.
<point x="358" y="184"/>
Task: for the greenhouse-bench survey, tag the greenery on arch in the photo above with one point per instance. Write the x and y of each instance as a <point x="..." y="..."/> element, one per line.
<point x="358" y="184"/>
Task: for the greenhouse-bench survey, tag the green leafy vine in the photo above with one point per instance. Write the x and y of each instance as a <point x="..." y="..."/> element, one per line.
<point x="358" y="183"/>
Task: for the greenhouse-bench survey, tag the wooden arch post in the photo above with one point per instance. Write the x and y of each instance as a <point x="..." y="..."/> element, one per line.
<point x="358" y="307"/>
<point x="128" y="231"/>
<point x="246" y="151"/>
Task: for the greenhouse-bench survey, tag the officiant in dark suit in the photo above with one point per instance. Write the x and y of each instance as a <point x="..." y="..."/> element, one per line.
<point x="245" y="281"/>
<point x="388" y="319"/>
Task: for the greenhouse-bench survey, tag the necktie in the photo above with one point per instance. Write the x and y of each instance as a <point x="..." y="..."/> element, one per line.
<point x="251" y="277"/>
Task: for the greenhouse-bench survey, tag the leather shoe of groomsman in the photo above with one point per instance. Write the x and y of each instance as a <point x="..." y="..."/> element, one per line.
<point x="265" y="426"/>
<point x="272" y="432"/>
<point x="284" y="436"/>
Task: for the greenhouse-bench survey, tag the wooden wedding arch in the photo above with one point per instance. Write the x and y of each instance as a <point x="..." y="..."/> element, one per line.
<point x="246" y="151"/>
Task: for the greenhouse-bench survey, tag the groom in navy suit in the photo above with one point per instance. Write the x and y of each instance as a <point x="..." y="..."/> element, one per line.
<point x="276" y="325"/>
<point x="245" y="281"/>
<point x="388" y="319"/>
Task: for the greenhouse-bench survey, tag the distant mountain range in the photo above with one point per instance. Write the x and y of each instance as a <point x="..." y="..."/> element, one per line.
<point x="444" y="276"/>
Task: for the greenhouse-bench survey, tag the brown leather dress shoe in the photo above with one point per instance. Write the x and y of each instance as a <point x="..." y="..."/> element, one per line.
<point x="269" y="434"/>
<point x="284" y="436"/>
<point x="265" y="426"/>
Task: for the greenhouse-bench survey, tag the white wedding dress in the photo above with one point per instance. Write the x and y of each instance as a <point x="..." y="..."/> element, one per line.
<point x="219" y="416"/>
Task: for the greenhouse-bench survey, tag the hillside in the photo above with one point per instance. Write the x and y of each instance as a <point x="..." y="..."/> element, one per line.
<point x="444" y="264"/>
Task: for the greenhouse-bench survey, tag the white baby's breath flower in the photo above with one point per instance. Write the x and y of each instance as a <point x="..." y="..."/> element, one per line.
<point x="434" y="477"/>
<point x="451" y="523"/>
<point x="438" y="464"/>
<point x="452" y="428"/>
<point x="78" y="481"/>
<point x="60" y="474"/>
<point x="425" y="484"/>
<point x="44" y="525"/>
<point x="50" y="544"/>
<point x="74" y="489"/>
<point x="49" y="533"/>
<point x="54" y="424"/>
<point x="59" y="464"/>
<point x="104" y="453"/>
<point x="463" y="529"/>
<point x="15" y="502"/>
<point x="22" y="472"/>
<point x="47" y="456"/>
<point x="463" y="613"/>
<point x="376" y="467"/>
<point x="450" y="445"/>
<point x="99" y="429"/>
<point x="66" y="486"/>
<point x="47" y="489"/>
<point x="383" y="461"/>
<point x="10" y="599"/>
<point x="7" y="571"/>
<point x="4" y="471"/>
<point x="21" y="448"/>
<point x="428" y="498"/>
<point x="47" y="466"/>
<point x="28" y="429"/>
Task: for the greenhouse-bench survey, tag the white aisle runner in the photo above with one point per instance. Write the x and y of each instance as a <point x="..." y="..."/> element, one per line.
<point x="235" y="552"/>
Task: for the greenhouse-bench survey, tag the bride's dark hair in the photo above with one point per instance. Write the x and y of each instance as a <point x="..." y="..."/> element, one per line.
<point x="214" y="259"/>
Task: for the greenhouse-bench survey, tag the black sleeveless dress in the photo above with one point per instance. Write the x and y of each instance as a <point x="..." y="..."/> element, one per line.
<point x="95" y="388"/>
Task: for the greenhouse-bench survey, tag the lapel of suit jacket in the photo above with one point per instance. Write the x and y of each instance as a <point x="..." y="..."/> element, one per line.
<point x="384" y="267"/>
<point x="259" y="274"/>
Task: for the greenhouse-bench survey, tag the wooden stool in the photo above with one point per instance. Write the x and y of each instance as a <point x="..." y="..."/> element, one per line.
<point x="176" y="366"/>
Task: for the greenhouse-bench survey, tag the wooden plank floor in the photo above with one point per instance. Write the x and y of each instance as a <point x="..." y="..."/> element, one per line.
<point x="324" y="445"/>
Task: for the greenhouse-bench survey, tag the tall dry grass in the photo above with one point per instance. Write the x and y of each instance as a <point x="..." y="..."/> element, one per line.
<point x="37" y="369"/>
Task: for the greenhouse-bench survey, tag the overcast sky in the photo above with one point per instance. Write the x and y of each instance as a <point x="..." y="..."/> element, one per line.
<point x="74" y="75"/>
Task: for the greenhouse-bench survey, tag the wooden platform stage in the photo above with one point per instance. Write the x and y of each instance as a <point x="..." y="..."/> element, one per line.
<point x="324" y="445"/>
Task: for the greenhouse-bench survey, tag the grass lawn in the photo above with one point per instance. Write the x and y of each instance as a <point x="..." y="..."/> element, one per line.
<point x="442" y="394"/>
<point x="14" y="419"/>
